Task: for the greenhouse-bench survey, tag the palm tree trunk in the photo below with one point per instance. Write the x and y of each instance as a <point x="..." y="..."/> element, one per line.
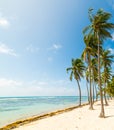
<point x="102" y="113"/>
<point x="106" y="103"/>
<point x="87" y="91"/>
<point x="96" y="93"/>
<point x="79" y="93"/>
<point x="93" y="92"/>
<point x="91" y="104"/>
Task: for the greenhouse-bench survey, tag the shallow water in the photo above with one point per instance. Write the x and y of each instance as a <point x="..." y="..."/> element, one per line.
<point x="17" y="108"/>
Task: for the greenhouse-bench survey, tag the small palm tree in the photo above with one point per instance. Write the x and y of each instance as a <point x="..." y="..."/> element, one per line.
<point x="107" y="59"/>
<point x="106" y="76"/>
<point x="110" y="87"/>
<point x="77" y="70"/>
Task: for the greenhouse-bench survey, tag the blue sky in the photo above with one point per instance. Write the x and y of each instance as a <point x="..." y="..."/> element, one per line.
<point x="38" y="39"/>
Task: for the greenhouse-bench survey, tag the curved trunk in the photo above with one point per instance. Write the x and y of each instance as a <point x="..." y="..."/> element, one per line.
<point x="102" y="113"/>
<point x="79" y="92"/>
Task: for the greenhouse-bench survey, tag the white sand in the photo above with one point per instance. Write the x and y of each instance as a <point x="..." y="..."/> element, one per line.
<point x="77" y="119"/>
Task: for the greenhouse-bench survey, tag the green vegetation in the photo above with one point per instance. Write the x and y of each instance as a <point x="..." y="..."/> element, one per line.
<point x="77" y="70"/>
<point x="110" y="87"/>
<point x="97" y="61"/>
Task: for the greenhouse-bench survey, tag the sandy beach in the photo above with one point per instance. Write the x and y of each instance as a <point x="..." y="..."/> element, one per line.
<point x="77" y="119"/>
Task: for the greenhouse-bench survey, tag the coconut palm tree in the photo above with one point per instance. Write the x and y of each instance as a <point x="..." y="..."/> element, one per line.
<point x="94" y="73"/>
<point x="106" y="76"/>
<point x="88" y="52"/>
<point x="107" y="59"/>
<point x="77" y="70"/>
<point x="87" y="81"/>
<point x="100" y="28"/>
<point x="110" y="87"/>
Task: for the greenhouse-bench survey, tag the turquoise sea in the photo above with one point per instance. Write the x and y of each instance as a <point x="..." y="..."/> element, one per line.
<point x="18" y="108"/>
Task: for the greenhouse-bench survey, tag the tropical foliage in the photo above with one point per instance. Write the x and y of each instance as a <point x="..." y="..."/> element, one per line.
<point x="97" y="60"/>
<point x="77" y="70"/>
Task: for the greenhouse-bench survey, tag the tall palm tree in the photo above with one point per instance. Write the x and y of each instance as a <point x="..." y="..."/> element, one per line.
<point x="77" y="70"/>
<point x="100" y="28"/>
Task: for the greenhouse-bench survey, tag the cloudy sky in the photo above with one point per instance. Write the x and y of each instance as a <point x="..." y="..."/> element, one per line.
<point x="38" y="39"/>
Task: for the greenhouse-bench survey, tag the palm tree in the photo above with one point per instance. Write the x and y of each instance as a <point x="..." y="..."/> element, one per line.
<point x="94" y="73"/>
<point x="110" y="87"/>
<point x="87" y="81"/>
<point x="106" y="76"/>
<point x="77" y="70"/>
<point x="107" y="59"/>
<point x="100" y="28"/>
<point x="87" y="54"/>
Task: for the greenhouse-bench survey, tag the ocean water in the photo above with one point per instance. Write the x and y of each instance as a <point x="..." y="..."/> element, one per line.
<point x="18" y="108"/>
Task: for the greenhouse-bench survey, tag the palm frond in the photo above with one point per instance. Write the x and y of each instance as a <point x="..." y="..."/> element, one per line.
<point x="68" y="69"/>
<point x="86" y="29"/>
<point x="71" y="76"/>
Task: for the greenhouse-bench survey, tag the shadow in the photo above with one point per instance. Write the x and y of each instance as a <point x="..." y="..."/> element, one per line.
<point x="97" y="105"/>
<point x="109" y="116"/>
<point x="104" y="105"/>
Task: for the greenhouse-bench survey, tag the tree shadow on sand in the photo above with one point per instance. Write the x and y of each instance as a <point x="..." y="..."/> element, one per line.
<point x="109" y="116"/>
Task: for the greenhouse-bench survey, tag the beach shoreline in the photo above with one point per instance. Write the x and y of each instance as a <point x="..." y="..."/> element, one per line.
<point x="22" y="122"/>
<point x="73" y="118"/>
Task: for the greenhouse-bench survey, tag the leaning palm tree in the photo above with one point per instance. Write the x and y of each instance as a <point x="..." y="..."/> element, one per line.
<point x="100" y="28"/>
<point x="77" y="70"/>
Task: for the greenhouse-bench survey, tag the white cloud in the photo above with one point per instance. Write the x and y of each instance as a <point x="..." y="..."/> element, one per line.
<point x="111" y="50"/>
<point x="4" y="23"/>
<point x="4" y="49"/>
<point x="55" y="47"/>
<point x="42" y="83"/>
<point x="32" y="49"/>
<point x="10" y="87"/>
<point x="8" y="82"/>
